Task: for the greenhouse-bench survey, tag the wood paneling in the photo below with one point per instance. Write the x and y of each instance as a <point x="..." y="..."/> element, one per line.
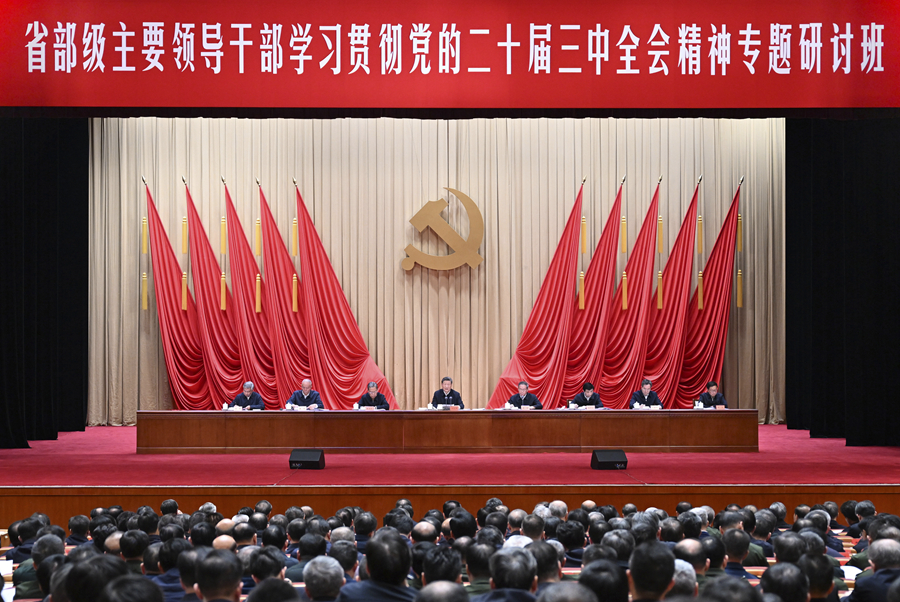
<point x="62" y="502"/>
<point x="448" y="432"/>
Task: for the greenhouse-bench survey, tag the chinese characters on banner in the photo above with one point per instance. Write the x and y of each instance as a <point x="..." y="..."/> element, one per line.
<point x="466" y="57"/>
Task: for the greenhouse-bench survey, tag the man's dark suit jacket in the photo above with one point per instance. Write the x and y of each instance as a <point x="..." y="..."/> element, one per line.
<point x="767" y="548"/>
<point x="453" y="398"/>
<point x="374" y="591"/>
<point x="709" y="401"/>
<point x="297" y="399"/>
<point x="874" y="589"/>
<point x="530" y="400"/>
<point x="254" y="403"/>
<point x="593" y="401"/>
<point x="21" y="552"/>
<point x="379" y="402"/>
<point x="76" y="540"/>
<point x="505" y="595"/>
<point x="638" y="397"/>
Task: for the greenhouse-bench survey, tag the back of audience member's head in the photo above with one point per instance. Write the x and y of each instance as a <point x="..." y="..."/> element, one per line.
<point x="273" y="590"/>
<point x="580" y="516"/>
<point x="188" y="561"/>
<point x="672" y="531"/>
<point x="715" y="551"/>
<point x="462" y="545"/>
<point x="203" y="534"/>
<point x="79" y="524"/>
<point x="513" y="568"/>
<point x="171" y="531"/>
<point x="865" y="508"/>
<point x="533" y="527"/>
<point x="273" y="535"/>
<point x="417" y="555"/>
<point x="463" y="524"/>
<point x="884" y="554"/>
<point x="478" y="558"/>
<point x="441" y="564"/>
<point x="567" y="592"/>
<point x="737" y="544"/>
<point x="424" y="531"/>
<point x="244" y="533"/>
<point x="269" y="562"/>
<point x="148" y="522"/>
<point x="685" y="580"/>
<point x="87" y="579"/>
<point x="606" y="579"/>
<point x="219" y="575"/>
<point x="365" y="523"/>
<point x="597" y="529"/>
<point x="548" y="566"/>
<point x="729" y="589"/>
<point x="323" y="577"/>
<point x="691" y="525"/>
<point x="848" y="510"/>
<point x="263" y="507"/>
<point x="787" y="581"/>
<point x="692" y="552"/>
<point x="490" y="535"/>
<point x="58" y="582"/>
<point x="571" y="535"/>
<point x="621" y="541"/>
<point x="47" y="545"/>
<point x="151" y="559"/>
<point x="597" y="551"/>
<point x="819" y="572"/>
<point x="551" y="524"/>
<point x="345" y="553"/>
<point x="498" y="520"/>
<point x="44" y="571"/>
<point x="388" y="557"/>
<point x="169" y="552"/>
<point x="442" y="591"/>
<point x="779" y="510"/>
<point x="789" y="547"/>
<point x="651" y="568"/>
<point x="131" y="588"/>
<point x="259" y="521"/>
<point x="814" y="543"/>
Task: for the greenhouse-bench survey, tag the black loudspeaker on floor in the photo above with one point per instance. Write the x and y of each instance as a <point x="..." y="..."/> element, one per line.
<point x="313" y="459"/>
<point x="609" y="459"/>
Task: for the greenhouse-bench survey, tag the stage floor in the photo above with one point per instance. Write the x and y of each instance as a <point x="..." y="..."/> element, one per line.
<point x="105" y="456"/>
<point x="100" y="467"/>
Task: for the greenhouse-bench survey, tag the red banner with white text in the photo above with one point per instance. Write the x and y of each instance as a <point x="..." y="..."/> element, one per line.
<point x="465" y="54"/>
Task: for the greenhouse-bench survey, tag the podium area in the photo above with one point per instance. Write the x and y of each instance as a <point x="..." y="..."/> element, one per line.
<point x="466" y="431"/>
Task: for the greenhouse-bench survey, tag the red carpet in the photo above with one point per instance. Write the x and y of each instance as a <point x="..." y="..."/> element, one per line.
<point x="106" y="456"/>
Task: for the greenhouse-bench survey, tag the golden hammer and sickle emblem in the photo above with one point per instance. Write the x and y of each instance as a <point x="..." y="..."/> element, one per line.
<point x="465" y="251"/>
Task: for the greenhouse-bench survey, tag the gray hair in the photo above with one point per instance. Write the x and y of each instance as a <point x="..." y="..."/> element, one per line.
<point x="343" y="534"/>
<point x="558" y="509"/>
<point x="208" y="508"/>
<point x="685" y="579"/>
<point x="517" y="541"/>
<point x="542" y="511"/>
<point x="779" y="510"/>
<point x="323" y="577"/>
<point x="248" y="384"/>
<point x="513" y="568"/>
<point x="700" y="512"/>
<point x="240" y="518"/>
<point x="560" y="549"/>
<point x="48" y="545"/>
<point x="304" y="381"/>
<point x="372" y="384"/>
<point x="885" y="554"/>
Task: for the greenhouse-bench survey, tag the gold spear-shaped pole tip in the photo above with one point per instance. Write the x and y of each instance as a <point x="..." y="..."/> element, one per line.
<point x="742" y="181"/>
<point x="583" y="180"/>
<point x="295" y="182"/>
<point x="623" y="178"/>
<point x="659" y="181"/>
<point x="700" y="178"/>
<point x="144" y="180"/>
<point x="257" y="182"/>
<point x="223" y="179"/>
<point x="183" y="180"/>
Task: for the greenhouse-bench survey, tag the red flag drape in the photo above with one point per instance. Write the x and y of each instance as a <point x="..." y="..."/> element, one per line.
<point x="541" y="356"/>
<point x="707" y="329"/>
<point x="590" y="325"/>
<point x="626" y="343"/>
<point x="287" y="329"/>
<point x="218" y="343"/>
<point x="177" y="327"/>
<point x="340" y="362"/>
<point x="665" y="347"/>
<point x="251" y="328"/>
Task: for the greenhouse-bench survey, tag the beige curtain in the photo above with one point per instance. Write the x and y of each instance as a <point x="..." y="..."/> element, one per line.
<point x="364" y="178"/>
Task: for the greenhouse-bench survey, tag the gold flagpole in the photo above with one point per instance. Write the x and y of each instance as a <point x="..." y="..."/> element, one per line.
<point x="624" y="290"/>
<point x="224" y="244"/>
<point x="184" y="236"/>
<point x="700" y="290"/>
<point x="143" y="236"/>
<point x="583" y="235"/>
<point x="223" y="288"/>
<point x="659" y="291"/>
<point x="258" y="236"/>
<point x="581" y="291"/>
<point x="144" y="290"/>
<point x="294" y="293"/>
<point x="258" y="293"/>
<point x="184" y="303"/>
<point x="740" y="289"/>
<point x="294" y="238"/>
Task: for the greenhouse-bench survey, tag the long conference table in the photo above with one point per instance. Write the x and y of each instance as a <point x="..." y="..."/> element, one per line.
<point x="466" y="431"/>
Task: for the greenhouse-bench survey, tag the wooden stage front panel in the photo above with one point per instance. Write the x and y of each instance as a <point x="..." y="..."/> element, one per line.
<point x="474" y="431"/>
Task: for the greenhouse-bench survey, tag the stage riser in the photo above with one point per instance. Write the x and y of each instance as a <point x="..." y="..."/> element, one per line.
<point x="62" y="502"/>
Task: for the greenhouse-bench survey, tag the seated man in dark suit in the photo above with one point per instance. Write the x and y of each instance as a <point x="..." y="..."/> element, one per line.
<point x="446" y="395"/>
<point x="646" y="396"/>
<point x="712" y="397"/>
<point x="524" y="399"/>
<point x="513" y="577"/>
<point x="387" y="563"/>
<point x="373" y="398"/>
<point x="306" y="397"/>
<point x="587" y="397"/>
<point x="884" y="554"/>
<point x="219" y="576"/>
<point x="785" y="580"/>
<point x="248" y="399"/>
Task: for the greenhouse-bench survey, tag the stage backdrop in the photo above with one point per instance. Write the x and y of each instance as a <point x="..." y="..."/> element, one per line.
<point x="363" y="179"/>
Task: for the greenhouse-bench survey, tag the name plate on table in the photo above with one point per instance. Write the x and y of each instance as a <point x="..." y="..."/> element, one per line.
<point x="447" y="408"/>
